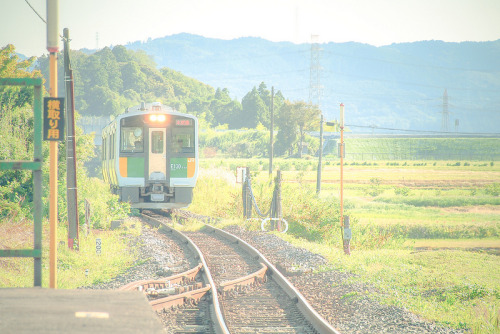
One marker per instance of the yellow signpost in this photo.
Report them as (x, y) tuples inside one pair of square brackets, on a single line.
[(53, 48)]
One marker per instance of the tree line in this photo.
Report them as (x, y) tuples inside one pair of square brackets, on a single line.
[(110, 80), (16, 136)]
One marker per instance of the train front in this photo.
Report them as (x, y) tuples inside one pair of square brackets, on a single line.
[(158, 157)]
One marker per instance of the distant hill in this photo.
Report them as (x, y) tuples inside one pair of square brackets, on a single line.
[(394, 86)]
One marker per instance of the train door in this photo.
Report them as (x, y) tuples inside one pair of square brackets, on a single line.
[(157, 154)]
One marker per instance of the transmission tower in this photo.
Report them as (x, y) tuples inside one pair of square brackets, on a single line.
[(445, 113)]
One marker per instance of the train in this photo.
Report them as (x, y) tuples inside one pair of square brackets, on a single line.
[(150, 156)]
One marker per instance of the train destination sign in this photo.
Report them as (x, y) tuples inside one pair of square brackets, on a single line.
[(53, 118), (183, 122)]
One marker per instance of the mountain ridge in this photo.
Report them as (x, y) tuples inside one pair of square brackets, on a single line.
[(400, 85)]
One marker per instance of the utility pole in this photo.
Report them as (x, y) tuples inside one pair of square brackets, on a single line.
[(318, 179), (344, 221), (445, 112), (315, 97), (53, 48), (71, 184), (271, 144), (341, 151)]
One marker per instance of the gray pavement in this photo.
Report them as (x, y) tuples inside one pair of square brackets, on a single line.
[(36, 310)]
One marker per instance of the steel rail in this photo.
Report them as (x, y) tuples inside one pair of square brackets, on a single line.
[(316, 320), (216, 312), (179, 299), (174, 279), (244, 281)]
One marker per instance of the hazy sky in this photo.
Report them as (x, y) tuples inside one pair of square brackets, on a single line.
[(376, 22)]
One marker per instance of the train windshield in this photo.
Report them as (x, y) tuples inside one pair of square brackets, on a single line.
[(183, 136), (132, 139)]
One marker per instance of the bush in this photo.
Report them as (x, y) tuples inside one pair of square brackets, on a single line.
[(402, 191), (374, 189), (492, 189)]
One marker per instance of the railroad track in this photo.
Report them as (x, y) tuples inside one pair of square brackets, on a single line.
[(234, 289)]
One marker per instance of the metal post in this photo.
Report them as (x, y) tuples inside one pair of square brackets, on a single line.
[(37, 185), (318, 181), (53, 48), (53, 153), (247, 199), (279, 212), (36, 167), (342, 147), (271, 144), (244, 196)]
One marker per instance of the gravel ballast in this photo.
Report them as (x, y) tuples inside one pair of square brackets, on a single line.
[(346, 305)]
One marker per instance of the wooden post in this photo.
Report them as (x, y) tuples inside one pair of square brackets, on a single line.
[(71, 184), (346, 236)]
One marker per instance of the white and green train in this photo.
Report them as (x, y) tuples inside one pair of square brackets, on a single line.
[(150, 156)]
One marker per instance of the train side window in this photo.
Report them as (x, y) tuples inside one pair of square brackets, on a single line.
[(111, 146), (103, 148), (132, 140), (157, 142)]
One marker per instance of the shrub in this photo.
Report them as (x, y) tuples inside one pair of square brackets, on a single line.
[(492, 189), (374, 189), (402, 191)]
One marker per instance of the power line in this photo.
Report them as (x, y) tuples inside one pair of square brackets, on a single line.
[(363, 77), (411, 64), (374, 127), (41, 18)]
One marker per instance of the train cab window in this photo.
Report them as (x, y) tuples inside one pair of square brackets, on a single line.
[(132, 140), (157, 142), (183, 142), (183, 134)]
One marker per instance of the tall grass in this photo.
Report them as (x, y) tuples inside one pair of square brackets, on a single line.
[(118, 253), (453, 287)]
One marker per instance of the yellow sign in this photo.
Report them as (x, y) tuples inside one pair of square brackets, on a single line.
[(53, 118)]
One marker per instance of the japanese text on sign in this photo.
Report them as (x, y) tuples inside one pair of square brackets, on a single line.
[(53, 118)]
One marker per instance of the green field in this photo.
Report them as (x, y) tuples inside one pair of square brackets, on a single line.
[(459, 149), (425, 233)]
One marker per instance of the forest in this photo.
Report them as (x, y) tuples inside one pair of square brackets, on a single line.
[(113, 79)]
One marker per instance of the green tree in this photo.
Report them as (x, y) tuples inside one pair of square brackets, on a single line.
[(16, 132), (287, 124), (93, 73), (265, 95), (121, 53), (254, 110), (225, 110), (11, 66), (108, 61), (104, 102), (307, 117), (133, 78)]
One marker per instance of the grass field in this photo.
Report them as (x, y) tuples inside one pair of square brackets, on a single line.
[(425, 233), (74, 268)]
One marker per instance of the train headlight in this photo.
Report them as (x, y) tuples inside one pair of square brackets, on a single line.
[(160, 118)]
